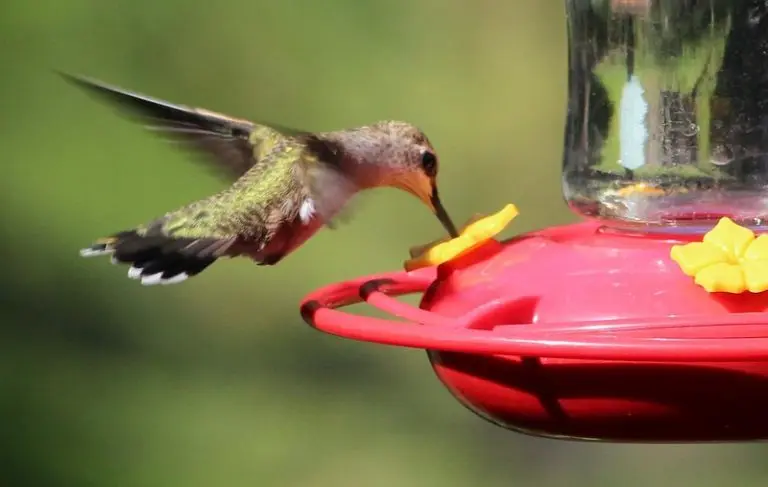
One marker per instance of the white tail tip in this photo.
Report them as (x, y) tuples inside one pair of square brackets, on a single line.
[(155, 279)]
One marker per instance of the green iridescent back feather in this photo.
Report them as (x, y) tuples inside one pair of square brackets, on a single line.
[(266, 194)]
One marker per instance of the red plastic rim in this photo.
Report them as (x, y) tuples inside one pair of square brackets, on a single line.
[(746, 340)]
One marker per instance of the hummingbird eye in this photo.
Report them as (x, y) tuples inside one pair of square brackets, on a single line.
[(429, 163)]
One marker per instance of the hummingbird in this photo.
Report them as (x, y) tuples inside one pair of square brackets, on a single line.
[(284, 185)]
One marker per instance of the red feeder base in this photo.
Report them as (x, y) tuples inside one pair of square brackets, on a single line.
[(575, 332)]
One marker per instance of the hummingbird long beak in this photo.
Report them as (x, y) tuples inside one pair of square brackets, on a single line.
[(425, 189), (441, 214)]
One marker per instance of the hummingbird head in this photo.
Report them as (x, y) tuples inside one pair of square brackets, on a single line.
[(398, 155)]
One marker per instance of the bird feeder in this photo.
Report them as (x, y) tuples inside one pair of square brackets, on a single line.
[(646, 320)]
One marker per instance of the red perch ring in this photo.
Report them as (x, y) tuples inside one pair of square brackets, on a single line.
[(575, 332)]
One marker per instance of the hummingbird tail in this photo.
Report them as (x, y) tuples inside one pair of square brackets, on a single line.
[(155, 259)]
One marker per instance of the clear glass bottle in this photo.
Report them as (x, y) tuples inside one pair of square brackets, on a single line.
[(667, 125)]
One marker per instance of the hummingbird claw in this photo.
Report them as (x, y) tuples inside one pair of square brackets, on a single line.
[(271, 259)]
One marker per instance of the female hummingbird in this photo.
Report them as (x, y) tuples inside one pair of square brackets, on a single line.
[(287, 185)]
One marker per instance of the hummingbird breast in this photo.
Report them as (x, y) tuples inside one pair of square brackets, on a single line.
[(288, 237)]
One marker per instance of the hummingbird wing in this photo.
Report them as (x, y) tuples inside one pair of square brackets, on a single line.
[(228, 142)]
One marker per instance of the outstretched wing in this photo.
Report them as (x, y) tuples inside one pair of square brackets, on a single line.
[(229, 143)]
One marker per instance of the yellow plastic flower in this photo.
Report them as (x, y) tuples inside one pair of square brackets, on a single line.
[(729, 259), (475, 233)]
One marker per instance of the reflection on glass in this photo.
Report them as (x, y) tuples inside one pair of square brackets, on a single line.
[(667, 122)]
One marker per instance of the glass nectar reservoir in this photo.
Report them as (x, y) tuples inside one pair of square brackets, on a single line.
[(667, 125)]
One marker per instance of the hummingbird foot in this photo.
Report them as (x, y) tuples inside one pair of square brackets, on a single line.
[(271, 260)]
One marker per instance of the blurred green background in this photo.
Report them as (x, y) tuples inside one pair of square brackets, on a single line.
[(217, 381)]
